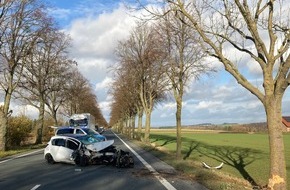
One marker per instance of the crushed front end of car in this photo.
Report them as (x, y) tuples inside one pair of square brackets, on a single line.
[(102, 153)]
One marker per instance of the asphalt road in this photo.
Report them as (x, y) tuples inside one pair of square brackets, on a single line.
[(31, 172)]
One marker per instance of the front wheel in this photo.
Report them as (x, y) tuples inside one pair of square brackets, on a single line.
[(49, 159), (80, 160)]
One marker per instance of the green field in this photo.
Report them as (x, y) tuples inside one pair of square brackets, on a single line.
[(245, 156)]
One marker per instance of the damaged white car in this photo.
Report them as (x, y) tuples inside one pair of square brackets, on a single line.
[(85, 149)]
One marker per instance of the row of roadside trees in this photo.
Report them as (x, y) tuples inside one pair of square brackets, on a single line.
[(168, 52), (35, 68), (159, 57)]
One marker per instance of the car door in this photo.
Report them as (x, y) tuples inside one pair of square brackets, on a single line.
[(57, 149), (65, 148)]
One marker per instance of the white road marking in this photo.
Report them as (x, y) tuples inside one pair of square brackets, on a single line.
[(22, 155), (163, 181), (35, 187), (6, 160)]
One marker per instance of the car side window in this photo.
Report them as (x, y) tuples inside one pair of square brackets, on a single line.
[(65, 131), (72, 145), (78, 131), (58, 142)]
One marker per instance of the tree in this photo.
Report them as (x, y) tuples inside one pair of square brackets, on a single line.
[(18, 130), (260, 33), (184, 61), (22, 23), (126, 97), (80, 97), (41, 72), (143, 54), (76, 84), (59, 86)]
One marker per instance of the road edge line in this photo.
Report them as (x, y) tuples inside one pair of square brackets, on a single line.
[(20, 156), (162, 180)]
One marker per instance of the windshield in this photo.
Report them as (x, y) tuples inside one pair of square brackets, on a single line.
[(79, 122), (64, 131), (87, 139), (90, 131)]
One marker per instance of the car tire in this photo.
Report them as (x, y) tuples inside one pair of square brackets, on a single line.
[(81, 160), (49, 159)]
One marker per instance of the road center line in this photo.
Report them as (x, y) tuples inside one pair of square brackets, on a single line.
[(163, 181)]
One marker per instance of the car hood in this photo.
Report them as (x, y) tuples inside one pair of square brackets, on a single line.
[(98, 146)]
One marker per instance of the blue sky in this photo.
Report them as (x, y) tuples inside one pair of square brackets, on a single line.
[(65, 11), (96, 26)]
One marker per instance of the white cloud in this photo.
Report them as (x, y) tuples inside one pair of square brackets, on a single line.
[(217, 99), (104, 84), (208, 104), (168, 105), (27, 110), (94, 41), (105, 107), (97, 36), (95, 70)]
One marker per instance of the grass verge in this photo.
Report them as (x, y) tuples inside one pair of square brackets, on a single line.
[(245, 157), (192, 170), (18, 150)]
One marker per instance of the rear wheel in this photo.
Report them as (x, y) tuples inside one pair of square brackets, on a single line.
[(49, 159)]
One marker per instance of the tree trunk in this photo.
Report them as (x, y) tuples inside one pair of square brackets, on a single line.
[(4, 119), (147, 127), (3, 131), (178, 127), (277, 178), (121, 126), (139, 132), (55, 118), (40, 123), (125, 126), (132, 127)]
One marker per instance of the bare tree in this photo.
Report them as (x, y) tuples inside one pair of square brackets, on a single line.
[(5, 6), (89, 104), (143, 55), (59, 87), (259, 32), (76, 84), (125, 96), (184, 61), (22, 23), (81, 98), (42, 70)]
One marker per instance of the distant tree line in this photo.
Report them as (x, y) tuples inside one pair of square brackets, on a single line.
[(239, 128)]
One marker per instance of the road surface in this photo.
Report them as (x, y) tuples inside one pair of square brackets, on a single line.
[(31, 172)]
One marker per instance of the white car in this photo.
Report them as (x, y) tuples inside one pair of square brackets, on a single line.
[(79, 130), (77, 149)]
